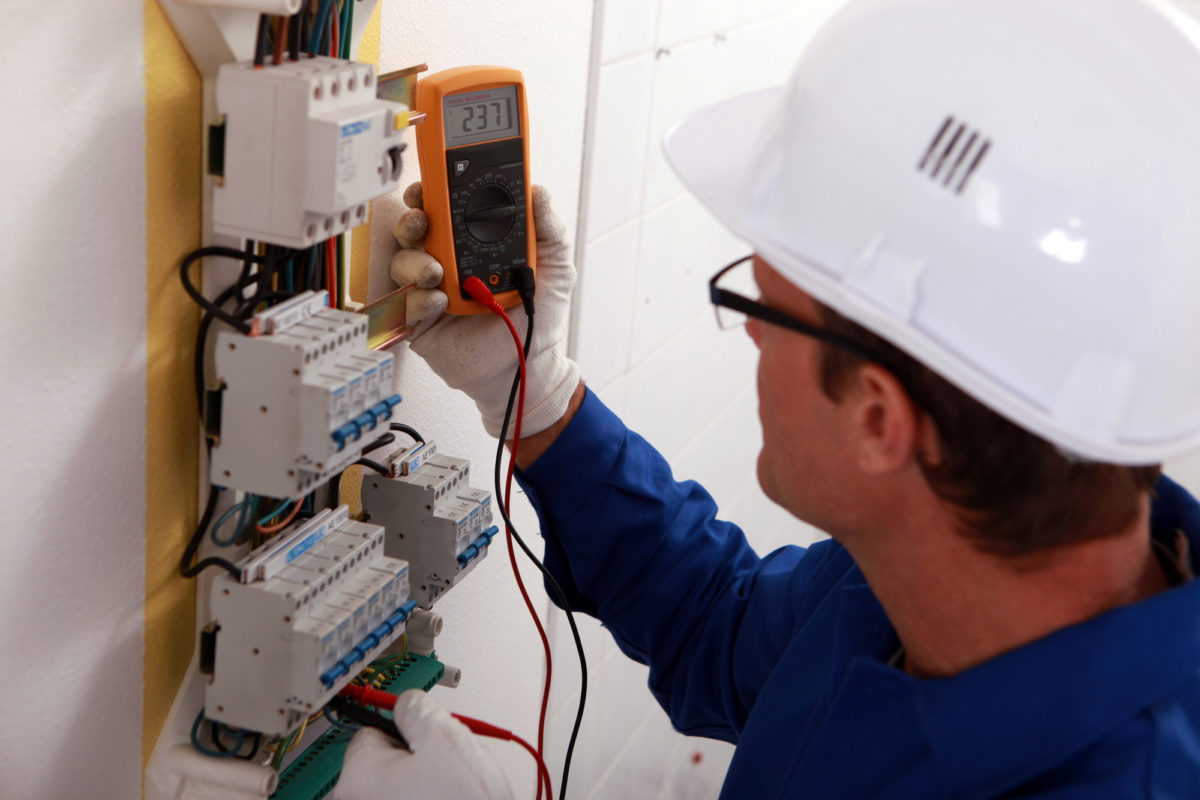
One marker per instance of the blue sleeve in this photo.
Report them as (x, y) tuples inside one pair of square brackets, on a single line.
[(680, 590)]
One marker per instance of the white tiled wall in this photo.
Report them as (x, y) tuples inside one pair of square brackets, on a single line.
[(645, 337)]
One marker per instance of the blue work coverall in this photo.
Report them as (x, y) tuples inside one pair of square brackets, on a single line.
[(786, 655)]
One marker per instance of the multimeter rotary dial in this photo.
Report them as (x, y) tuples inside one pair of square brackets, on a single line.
[(489, 213)]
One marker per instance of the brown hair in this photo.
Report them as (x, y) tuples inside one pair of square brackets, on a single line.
[(1016, 494)]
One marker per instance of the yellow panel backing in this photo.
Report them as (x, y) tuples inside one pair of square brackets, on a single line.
[(173, 154)]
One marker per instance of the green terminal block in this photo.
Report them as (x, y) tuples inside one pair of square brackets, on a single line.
[(313, 774)]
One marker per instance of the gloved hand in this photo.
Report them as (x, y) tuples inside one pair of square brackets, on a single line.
[(476, 353), (445, 761)]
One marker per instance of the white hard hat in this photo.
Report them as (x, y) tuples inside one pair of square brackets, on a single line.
[(1008, 190)]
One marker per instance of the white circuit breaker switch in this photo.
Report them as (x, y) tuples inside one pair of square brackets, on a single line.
[(300, 401), (314, 606), (435, 521), (306, 146)]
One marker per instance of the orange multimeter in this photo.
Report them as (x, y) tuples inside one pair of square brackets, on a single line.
[(474, 152)]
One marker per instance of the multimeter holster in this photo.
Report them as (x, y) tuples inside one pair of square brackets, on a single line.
[(473, 148)]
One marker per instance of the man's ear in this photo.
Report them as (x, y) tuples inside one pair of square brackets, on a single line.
[(887, 424)]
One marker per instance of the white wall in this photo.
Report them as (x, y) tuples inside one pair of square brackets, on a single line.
[(72, 476)]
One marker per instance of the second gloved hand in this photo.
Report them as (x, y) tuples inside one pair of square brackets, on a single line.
[(445, 762), (476, 354)]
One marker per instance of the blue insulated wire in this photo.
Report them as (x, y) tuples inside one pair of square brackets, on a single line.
[(319, 27), (275, 513), (240, 508)]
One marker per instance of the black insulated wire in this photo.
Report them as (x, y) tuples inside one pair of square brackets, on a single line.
[(253, 752), (260, 42), (306, 30), (382, 441), (186, 568), (525, 288), (559, 595), (409, 431), (263, 278), (374, 465), (228, 252), (294, 35)]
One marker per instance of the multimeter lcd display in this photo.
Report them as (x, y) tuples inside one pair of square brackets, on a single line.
[(481, 116)]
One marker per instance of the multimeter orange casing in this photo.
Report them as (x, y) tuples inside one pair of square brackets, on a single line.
[(464, 186)]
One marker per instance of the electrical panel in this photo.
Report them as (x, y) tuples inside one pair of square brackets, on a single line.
[(295, 152), (312, 608), (302, 148), (299, 399), (434, 519)]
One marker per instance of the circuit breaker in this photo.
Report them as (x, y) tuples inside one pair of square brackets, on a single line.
[(312, 608), (302, 148), (298, 399), (434, 519)]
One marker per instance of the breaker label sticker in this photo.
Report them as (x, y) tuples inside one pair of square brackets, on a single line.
[(357, 393), (373, 386), (305, 544), (338, 414), (463, 536), (346, 166)]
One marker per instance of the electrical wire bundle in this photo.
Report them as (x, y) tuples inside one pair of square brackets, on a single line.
[(525, 288), (322, 28), (269, 275)]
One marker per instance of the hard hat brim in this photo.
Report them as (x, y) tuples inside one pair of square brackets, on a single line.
[(713, 149)]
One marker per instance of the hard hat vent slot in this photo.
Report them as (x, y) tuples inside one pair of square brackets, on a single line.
[(956, 151)]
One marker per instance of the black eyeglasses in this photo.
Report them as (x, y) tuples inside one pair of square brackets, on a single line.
[(723, 291)]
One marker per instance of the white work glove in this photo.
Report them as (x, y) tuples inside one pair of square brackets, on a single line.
[(476, 353), (445, 761)]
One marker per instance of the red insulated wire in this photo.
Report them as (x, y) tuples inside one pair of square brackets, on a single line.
[(481, 728), (281, 38), (333, 33), (364, 695), (331, 274), (481, 294)]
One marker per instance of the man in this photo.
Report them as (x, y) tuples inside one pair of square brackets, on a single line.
[(977, 266)]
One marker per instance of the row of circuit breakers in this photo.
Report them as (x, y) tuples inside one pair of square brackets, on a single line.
[(300, 150), (316, 603)]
